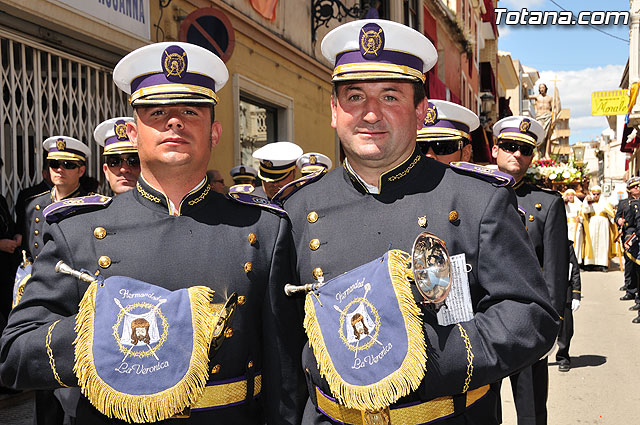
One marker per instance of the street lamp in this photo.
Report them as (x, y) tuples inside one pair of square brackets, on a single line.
[(578, 153), (487, 100)]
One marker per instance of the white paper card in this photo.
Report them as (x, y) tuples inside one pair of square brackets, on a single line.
[(458, 307)]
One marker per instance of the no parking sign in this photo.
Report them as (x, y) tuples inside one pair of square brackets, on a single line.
[(209, 28)]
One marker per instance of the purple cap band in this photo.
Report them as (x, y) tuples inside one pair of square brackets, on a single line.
[(443, 123), (386, 56), (55, 149), (114, 139), (150, 80), (517, 130)]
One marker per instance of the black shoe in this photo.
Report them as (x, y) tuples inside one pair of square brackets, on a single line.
[(564, 368), (636, 320), (604, 269), (623, 288), (635, 307), (627, 297)]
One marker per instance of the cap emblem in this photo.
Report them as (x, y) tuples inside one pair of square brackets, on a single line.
[(312, 159), (243, 170), (174, 62), (120, 129), (267, 163), (432, 114), (371, 41), (61, 144), (525, 125)]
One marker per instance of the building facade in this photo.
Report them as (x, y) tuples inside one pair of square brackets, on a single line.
[(58, 56)]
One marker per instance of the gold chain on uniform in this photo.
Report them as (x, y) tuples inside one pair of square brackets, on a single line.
[(146, 194), (52, 361), (467, 344), (406, 171), (201, 197)]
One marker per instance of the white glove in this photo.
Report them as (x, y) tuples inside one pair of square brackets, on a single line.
[(575, 305)]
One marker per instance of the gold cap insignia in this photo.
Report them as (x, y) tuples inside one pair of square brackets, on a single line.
[(120, 129), (267, 163), (313, 159), (61, 144), (432, 115), (174, 62), (525, 125), (371, 41)]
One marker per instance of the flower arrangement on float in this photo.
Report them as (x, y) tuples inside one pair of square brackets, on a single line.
[(547, 171)]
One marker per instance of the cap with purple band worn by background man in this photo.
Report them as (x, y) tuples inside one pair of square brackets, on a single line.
[(112, 135), (519, 128), (446, 120), (66, 148)]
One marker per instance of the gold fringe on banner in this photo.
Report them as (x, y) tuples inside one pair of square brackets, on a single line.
[(150, 407), (20, 291), (401, 382)]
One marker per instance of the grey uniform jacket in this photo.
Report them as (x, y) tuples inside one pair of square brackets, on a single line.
[(546, 223), (31, 222), (514, 322), (207, 244)]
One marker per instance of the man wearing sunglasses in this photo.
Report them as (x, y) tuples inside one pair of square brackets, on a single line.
[(121, 163), (65, 160), (446, 132), (546, 223)]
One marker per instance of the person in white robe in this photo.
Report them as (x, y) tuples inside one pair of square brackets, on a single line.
[(597, 215), (573, 209)]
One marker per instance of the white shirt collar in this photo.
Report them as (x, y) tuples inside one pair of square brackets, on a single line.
[(374, 190)]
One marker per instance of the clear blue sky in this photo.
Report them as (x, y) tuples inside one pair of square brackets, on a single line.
[(583, 58)]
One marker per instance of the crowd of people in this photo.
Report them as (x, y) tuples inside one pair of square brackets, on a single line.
[(289, 297)]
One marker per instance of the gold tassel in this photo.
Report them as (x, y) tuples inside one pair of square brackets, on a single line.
[(153, 407), (401, 382)]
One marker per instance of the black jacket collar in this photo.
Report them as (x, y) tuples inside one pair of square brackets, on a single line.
[(157, 200), (394, 178)]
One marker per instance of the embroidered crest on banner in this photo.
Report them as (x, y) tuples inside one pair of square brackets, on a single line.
[(366, 333), (142, 352)]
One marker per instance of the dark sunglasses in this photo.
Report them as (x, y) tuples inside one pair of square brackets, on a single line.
[(442, 147), (116, 161), (526, 150), (67, 165)]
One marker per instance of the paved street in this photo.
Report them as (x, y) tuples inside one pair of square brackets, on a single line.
[(601, 388)]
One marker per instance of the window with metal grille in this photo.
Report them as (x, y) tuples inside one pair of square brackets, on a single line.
[(46, 93)]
